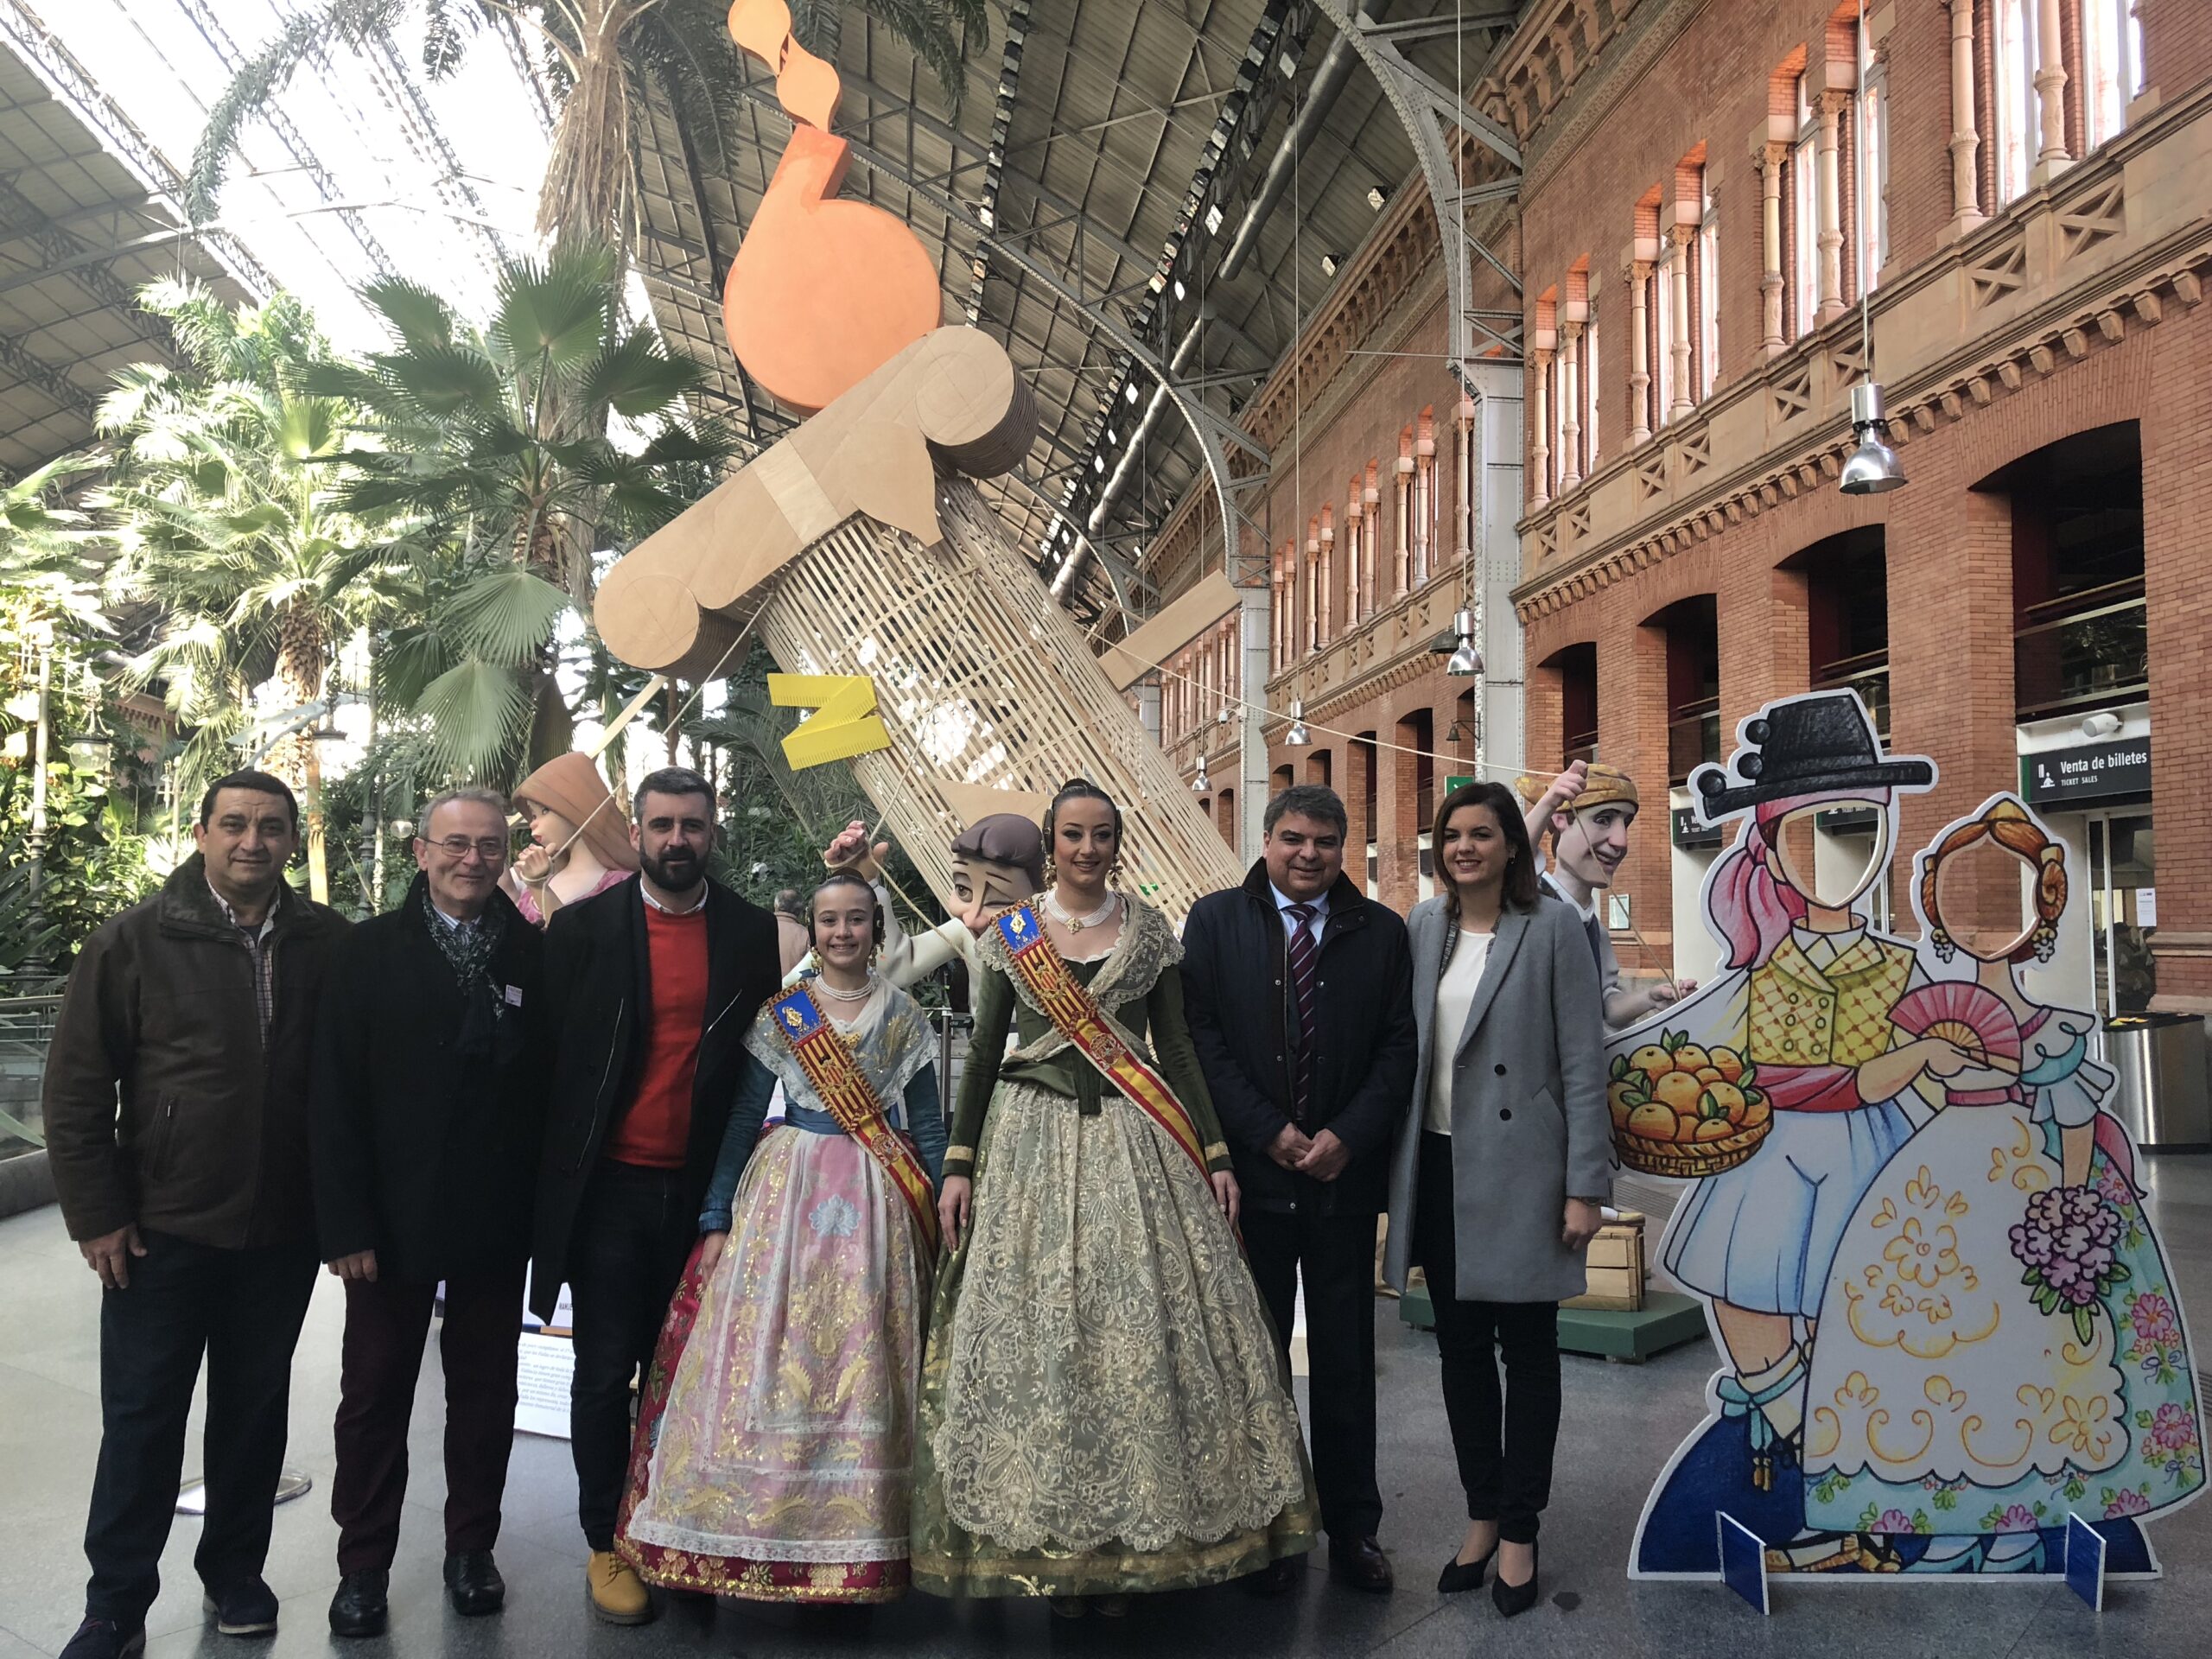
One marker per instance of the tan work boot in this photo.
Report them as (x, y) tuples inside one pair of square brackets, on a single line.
[(618, 1594)]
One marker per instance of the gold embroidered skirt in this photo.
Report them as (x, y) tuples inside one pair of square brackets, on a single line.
[(1102, 1408)]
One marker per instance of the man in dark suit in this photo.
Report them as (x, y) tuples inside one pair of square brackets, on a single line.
[(1299, 988), (654, 983), (429, 1093)]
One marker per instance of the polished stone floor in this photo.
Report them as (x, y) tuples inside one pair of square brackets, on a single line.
[(1621, 1422)]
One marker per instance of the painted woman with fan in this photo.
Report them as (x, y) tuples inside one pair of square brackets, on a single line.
[(2000, 1343)]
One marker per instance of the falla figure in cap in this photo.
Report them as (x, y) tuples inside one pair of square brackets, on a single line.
[(1785, 1086), (1587, 811)]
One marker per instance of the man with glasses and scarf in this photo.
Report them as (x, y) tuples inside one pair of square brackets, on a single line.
[(428, 1098)]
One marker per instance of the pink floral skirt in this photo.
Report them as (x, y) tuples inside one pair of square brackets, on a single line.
[(774, 1450)]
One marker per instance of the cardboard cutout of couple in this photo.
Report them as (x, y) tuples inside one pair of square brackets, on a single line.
[(1944, 1318)]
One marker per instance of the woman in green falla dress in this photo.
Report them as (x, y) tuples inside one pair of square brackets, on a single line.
[(1102, 1410)]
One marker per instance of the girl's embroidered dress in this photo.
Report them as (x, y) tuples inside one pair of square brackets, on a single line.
[(774, 1453), (1103, 1406)]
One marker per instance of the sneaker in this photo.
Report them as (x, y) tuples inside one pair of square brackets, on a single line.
[(247, 1608), (361, 1607), (102, 1638), (618, 1594)]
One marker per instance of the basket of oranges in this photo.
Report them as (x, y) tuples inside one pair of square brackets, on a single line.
[(1686, 1111)]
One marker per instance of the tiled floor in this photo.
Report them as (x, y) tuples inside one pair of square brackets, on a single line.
[(1621, 1423)]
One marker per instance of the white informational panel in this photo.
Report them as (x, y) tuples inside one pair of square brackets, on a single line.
[(541, 1373)]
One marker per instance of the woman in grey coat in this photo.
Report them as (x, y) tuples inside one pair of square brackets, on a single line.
[(1500, 1164)]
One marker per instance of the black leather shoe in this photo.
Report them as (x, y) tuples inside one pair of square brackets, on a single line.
[(358, 1608), (1514, 1599), (246, 1608), (474, 1584), (1278, 1578), (1361, 1565), (102, 1638), (1458, 1575)]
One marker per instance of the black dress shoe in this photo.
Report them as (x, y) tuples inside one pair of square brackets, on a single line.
[(1459, 1575), (104, 1638), (1361, 1565), (1514, 1599), (474, 1584), (1278, 1578), (358, 1608)]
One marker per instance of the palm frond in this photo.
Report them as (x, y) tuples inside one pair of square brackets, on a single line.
[(447, 27), (443, 379), (476, 711), (506, 617), (416, 314), (555, 311), (265, 74), (636, 376), (307, 428)]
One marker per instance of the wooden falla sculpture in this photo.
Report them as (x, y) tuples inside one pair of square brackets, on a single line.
[(861, 541)]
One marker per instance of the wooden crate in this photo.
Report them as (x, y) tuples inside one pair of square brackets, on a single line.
[(1616, 1267)]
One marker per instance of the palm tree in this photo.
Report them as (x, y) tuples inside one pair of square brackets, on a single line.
[(499, 444), (604, 58), (225, 511)]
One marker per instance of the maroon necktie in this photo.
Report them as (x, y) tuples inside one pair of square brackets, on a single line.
[(1303, 952)]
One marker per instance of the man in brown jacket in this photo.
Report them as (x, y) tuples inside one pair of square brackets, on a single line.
[(175, 1103)]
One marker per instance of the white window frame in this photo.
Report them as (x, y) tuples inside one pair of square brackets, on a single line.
[(1706, 299), (1804, 276), (1588, 388), (1872, 231), (1662, 318), (2112, 66), (2014, 97)]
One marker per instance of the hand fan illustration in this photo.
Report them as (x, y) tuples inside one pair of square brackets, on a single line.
[(1963, 1013)]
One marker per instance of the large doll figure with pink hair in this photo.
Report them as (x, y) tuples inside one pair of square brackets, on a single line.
[(1783, 1088)]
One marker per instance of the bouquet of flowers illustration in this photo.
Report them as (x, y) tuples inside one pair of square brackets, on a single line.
[(2068, 1240)]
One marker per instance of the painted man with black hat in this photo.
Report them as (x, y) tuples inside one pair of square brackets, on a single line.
[(1804, 1000)]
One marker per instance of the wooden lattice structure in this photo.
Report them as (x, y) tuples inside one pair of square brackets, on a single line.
[(981, 678)]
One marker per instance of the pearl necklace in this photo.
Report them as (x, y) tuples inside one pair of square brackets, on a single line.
[(1075, 924), (867, 990)]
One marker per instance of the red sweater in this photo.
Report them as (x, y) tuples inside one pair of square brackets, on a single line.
[(655, 1131)]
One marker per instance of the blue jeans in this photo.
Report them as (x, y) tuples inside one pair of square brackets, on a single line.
[(242, 1309)]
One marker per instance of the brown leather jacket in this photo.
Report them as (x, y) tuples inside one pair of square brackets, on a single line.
[(160, 1020)]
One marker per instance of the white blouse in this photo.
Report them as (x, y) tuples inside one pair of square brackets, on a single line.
[(1455, 994)]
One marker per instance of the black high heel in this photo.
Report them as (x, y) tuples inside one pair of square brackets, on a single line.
[(1458, 1575), (1514, 1599)]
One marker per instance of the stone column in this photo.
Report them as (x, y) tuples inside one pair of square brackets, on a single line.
[(1312, 585), (1965, 142), (1832, 105), (1639, 352), (1463, 475), (1678, 347), (2051, 89), (1424, 499), (1405, 516), (1328, 600), (1370, 505), (1539, 444), (1769, 156), (1570, 406)]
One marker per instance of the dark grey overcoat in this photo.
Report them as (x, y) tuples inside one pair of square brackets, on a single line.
[(1528, 1121)]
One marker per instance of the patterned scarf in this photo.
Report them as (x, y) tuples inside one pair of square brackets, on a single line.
[(468, 952)]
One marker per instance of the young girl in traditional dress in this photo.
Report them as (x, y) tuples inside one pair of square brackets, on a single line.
[(775, 1443), (2000, 1345), (1102, 1408)]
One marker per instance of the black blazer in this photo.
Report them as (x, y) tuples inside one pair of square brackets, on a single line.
[(424, 1117), (599, 986), (1237, 993)]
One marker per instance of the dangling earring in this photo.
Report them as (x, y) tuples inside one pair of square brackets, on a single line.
[(1052, 873), (1114, 871)]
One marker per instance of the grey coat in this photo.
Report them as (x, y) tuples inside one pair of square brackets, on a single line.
[(1529, 1127)]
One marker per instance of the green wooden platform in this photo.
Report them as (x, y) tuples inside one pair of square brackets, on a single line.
[(1667, 1319)]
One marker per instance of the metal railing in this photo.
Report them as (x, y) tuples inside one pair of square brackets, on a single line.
[(26, 1029), (2081, 649)]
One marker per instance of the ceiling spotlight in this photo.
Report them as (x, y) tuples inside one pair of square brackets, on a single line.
[(1213, 219), (1099, 463), (1180, 290), (1129, 392), (2103, 723), (1377, 195), (1466, 661), (1199, 785), (1223, 718), (1298, 736), (1331, 263), (1873, 467)]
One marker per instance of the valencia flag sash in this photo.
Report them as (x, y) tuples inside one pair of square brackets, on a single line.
[(1075, 1014), (836, 1080)]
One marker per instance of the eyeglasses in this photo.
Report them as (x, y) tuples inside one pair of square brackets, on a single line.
[(492, 849)]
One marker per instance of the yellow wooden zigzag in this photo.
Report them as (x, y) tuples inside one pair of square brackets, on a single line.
[(844, 723)]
